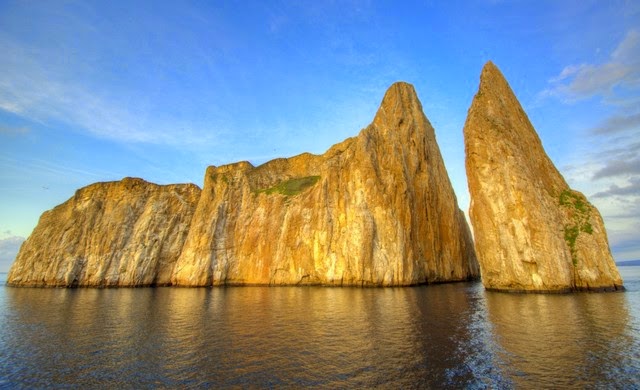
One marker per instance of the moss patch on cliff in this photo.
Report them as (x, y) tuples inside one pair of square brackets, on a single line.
[(223, 177), (571, 233), (290, 187), (572, 199), (580, 213)]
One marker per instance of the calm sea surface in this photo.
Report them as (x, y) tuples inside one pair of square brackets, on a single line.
[(454, 335)]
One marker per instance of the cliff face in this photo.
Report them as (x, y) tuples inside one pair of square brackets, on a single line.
[(532, 232), (126, 233), (377, 210)]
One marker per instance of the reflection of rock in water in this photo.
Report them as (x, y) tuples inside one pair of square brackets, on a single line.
[(442, 329), (562, 341), (454, 336)]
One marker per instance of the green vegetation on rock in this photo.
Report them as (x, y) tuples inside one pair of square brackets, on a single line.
[(571, 234), (215, 176), (570, 198), (290, 187), (580, 211)]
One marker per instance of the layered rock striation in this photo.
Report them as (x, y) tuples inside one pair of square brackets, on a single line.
[(532, 232), (375, 210), (125, 233)]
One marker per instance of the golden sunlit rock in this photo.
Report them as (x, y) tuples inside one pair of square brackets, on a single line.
[(532, 232), (375, 210), (125, 233)]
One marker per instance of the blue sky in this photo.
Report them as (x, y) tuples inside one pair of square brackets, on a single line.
[(96, 91)]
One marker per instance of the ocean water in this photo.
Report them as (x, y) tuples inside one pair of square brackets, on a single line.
[(452, 335)]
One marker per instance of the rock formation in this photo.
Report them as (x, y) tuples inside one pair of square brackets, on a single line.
[(126, 233), (374, 210), (532, 232)]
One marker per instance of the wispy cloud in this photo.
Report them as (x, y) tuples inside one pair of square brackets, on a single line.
[(9, 248), (622, 71), (614, 168), (610, 165), (29, 167), (633, 189), (28, 90), (618, 123), (73, 83), (616, 82)]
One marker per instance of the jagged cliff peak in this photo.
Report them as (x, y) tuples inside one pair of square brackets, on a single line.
[(400, 101), (496, 111), (532, 232), (489, 70), (493, 84), (400, 91)]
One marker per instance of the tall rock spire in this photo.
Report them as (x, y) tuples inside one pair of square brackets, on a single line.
[(532, 232)]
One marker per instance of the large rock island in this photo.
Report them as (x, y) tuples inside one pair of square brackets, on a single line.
[(375, 210), (532, 232)]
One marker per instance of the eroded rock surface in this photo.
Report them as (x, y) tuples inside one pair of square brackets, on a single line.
[(125, 233), (532, 232), (375, 210)]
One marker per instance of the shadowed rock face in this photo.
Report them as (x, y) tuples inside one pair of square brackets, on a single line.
[(375, 210), (532, 232), (126, 233)]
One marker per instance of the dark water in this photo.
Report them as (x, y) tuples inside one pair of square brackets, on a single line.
[(454, 335)]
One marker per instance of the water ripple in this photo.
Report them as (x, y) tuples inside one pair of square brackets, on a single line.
[(436, 336)]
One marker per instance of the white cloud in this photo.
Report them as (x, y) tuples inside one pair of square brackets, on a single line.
[(28, 90), (615, 167), (609, 164), (65, 82), (9, 248), (627, 50), (622, 71), (588, 80), (633, 189), (618, 123), (625, 243)]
